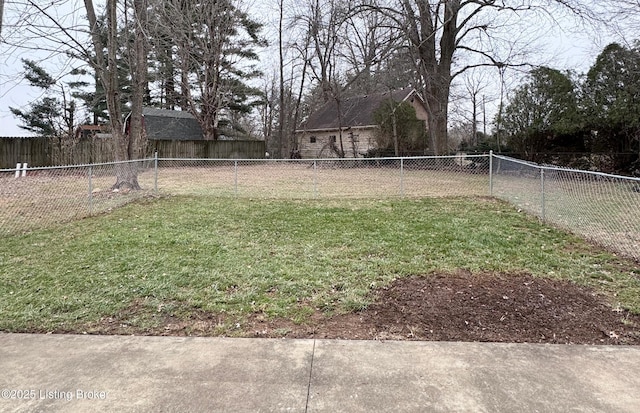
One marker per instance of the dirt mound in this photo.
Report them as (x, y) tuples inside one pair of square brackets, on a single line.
[(474, 307)]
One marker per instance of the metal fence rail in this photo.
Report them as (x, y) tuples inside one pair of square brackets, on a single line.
[(603, 208), (327, 178)]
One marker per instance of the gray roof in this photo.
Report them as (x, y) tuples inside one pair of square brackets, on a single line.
[(171, 124), (356, 112)]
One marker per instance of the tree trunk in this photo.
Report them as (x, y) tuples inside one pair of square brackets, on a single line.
[(396, 146), (438, 104), (434, 68), (281, 111), (133, 141), (1, 13), (126, 172), (106, 70)]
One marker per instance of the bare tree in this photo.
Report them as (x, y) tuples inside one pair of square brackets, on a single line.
[(468, 100), (625, 19), (136, 140), (128, 145), (345, 46), (282, 100), (1, 14), (56, 27), (449, 37), (369, 40), (348, 43), (212, 45), (323, 21)]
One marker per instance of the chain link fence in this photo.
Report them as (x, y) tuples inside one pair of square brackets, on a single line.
[(603, 208), (327, 178), (33, 198)]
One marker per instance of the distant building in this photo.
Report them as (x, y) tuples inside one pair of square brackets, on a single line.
[(90, 131), (159, 124), (353, 119), (165, 124)]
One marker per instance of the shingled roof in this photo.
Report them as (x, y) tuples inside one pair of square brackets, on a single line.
[(356, 112), (171, 124)]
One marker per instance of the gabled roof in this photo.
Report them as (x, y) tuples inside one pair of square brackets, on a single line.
[(356, 112), (171, 124)]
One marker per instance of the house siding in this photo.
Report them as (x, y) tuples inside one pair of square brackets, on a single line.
[(363, 141), (421, 111), (321, 127)]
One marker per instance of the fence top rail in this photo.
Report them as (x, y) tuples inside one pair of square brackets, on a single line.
[(325, 159), (518, 161), (459, 156), (561, 169), (44, 168)]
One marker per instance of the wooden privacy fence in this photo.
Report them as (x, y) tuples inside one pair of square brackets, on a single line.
[(34, 151), (38, 151), (208, 149)]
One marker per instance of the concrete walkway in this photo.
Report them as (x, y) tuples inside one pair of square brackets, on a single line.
[(65, 373)]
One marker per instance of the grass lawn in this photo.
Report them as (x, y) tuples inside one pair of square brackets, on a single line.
[(237, 257)]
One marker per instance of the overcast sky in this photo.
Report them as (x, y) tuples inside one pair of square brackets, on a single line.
[(563, 51)]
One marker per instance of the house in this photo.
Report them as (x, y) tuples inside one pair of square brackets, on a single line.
[(349, 124), (165, 124), (159, 124), (177, 134), (90, 131)]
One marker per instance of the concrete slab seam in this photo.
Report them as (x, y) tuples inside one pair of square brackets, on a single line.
[(313, 354)]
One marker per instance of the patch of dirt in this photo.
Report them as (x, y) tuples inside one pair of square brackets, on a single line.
[(467, 307), (441, 307)]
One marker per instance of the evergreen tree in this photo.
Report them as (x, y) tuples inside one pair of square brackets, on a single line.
[(55, 114), (401, 132), (611, 100), (207, 49), (543, 115)]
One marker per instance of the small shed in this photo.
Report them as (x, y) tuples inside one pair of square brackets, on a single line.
[(165, 124)]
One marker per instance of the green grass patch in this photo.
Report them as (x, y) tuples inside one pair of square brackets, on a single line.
[(182, 256)]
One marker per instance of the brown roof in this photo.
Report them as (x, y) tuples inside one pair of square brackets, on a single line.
[(357, 111)]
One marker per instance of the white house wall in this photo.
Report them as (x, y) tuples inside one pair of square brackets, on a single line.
[(363, 141), (366, 140)]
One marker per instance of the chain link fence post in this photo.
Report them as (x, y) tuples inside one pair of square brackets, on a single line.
[(402, 177), (90, 191), (315, 179), (542, 195), (235, 177), (490, 173), (155, 173)]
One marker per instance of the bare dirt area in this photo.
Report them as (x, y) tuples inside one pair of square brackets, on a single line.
[(443, 307), (496, 308), (301, 180)]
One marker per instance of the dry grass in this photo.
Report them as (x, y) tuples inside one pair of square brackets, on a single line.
[(50, 197), (302, 181), (47, 198), (606, 211)]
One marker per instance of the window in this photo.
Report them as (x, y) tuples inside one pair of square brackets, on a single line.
[(312, 139), (332, 139)]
